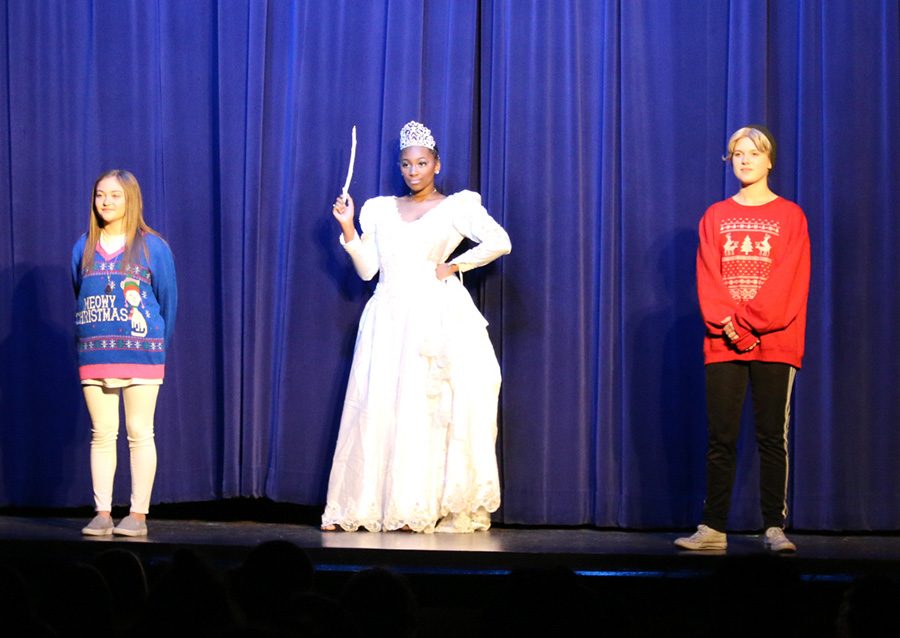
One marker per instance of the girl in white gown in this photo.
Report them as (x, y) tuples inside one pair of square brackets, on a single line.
[(415, 450)]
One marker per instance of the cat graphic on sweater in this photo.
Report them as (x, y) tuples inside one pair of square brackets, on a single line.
[(132, 289)]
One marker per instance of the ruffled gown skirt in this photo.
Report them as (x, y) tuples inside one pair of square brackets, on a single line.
[(416, 446)]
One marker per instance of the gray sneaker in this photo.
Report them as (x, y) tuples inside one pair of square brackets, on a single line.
[(705, 538), (130, 526), (99, 526), (776, 541)]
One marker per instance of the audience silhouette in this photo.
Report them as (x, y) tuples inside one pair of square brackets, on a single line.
[(274, 592)]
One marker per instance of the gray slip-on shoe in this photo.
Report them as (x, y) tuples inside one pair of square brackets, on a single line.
[(99, 526), (130, 526)]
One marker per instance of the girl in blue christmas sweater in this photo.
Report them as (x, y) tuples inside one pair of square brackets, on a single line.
[(124, 278)]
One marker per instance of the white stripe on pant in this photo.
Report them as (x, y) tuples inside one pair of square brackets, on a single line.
[(103, 407), (771, 385)]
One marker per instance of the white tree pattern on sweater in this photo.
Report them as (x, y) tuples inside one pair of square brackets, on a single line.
[(746, 272)]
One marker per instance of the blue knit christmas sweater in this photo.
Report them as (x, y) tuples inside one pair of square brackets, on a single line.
[(125, 312)]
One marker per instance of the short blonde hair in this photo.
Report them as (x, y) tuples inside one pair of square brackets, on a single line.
[(762, 140)]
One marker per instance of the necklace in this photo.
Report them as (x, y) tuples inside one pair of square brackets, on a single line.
[(433, 191), (114, 243), (110, 286)]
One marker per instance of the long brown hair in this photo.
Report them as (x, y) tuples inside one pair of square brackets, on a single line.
[(135, 226)]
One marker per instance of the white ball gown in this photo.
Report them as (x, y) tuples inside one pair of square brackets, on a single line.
[(416, 446)]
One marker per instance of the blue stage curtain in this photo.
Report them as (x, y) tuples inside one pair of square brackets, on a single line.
[(594, 131)]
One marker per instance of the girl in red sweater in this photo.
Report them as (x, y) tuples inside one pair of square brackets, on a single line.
[(753, 283)]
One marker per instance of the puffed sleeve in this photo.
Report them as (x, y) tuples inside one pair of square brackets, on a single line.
[(472, 220), (362, 249)]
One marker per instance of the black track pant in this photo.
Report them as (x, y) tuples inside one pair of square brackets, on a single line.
[(770, 389)]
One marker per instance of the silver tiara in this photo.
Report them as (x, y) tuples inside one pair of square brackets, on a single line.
[(416, 134)]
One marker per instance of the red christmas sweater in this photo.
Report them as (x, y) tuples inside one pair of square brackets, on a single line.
[(753, 266)]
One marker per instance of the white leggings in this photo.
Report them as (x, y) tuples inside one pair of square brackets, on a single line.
[(103, 406)]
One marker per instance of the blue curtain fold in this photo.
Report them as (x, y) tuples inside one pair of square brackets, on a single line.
[(593, 130)]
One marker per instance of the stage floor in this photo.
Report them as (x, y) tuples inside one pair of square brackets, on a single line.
[(589, 552)]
